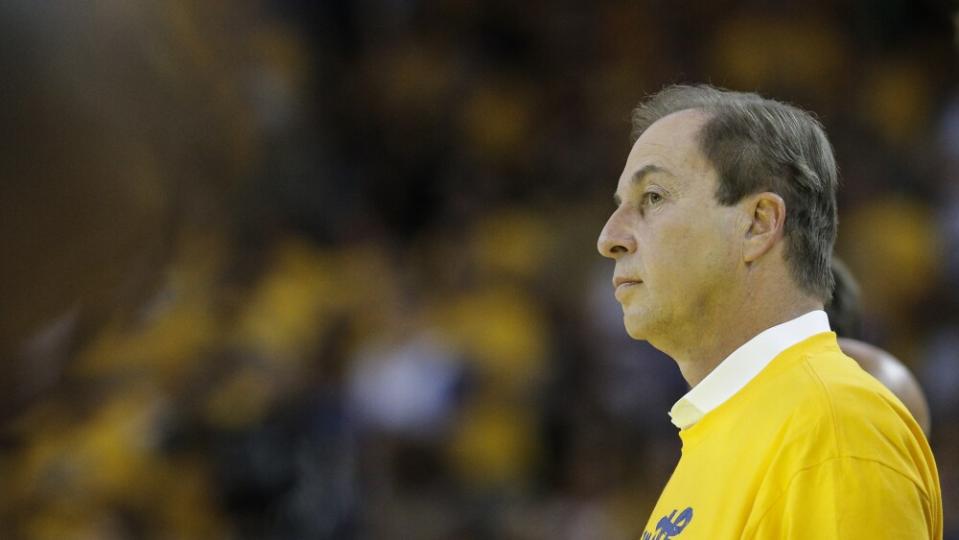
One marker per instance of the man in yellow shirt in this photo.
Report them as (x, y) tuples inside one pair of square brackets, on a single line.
[(722, 234)]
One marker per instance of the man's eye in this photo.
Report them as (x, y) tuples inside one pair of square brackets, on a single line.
[(651, 197)]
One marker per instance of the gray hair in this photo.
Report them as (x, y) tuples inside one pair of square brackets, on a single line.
[(758, 144)]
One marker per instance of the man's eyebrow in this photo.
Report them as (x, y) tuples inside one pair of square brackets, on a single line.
[(640, 176)]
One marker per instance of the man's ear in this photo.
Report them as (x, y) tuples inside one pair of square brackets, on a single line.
[(767, 215)]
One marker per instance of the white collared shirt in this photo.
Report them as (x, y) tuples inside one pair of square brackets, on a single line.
[(742, 365)]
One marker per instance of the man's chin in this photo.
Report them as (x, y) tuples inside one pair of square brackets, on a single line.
[(636, 327)]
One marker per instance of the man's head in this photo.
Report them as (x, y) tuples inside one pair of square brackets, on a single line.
[(721, 190)]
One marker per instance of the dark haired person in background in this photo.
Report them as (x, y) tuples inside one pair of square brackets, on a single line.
[(125, 134), (722, 234), (845, 316), (116, 139)]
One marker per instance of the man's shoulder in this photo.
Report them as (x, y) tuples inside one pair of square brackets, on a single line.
[(809, 378), (846, 390), (815, 387), (842, 411), (821, 378), (845, 419)]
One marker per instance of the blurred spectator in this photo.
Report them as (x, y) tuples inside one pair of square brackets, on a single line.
[(325, 269)]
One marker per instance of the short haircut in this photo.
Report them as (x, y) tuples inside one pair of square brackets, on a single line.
[(758, 144)]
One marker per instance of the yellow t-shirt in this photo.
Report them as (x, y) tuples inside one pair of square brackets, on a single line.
[(811, 448)]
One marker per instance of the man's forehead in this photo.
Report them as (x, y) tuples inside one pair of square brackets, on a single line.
[(670, 143), (679, 129), (637, 176)]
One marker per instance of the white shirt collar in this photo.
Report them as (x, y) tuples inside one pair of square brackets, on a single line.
[(742, 365)]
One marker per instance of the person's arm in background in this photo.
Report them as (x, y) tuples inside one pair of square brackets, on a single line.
[(845, 316)]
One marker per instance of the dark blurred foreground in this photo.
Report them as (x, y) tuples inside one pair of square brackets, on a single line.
[(327, 270)]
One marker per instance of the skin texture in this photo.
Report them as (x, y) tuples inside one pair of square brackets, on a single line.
[(695, 278), (895, 376)]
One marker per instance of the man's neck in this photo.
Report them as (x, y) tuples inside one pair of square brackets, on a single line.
[(698, 357)]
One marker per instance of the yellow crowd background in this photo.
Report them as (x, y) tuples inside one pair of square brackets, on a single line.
[(374, 308)]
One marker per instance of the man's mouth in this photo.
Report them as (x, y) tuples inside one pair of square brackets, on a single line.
[(621, 281)]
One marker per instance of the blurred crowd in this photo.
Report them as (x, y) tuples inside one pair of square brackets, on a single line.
[(376, 310)]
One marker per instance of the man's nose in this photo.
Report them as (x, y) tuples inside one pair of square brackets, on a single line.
[(615, 239)]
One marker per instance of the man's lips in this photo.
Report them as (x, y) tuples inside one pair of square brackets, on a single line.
[(619, 281)]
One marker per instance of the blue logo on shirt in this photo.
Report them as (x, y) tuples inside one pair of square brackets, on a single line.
[(671, 525)]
